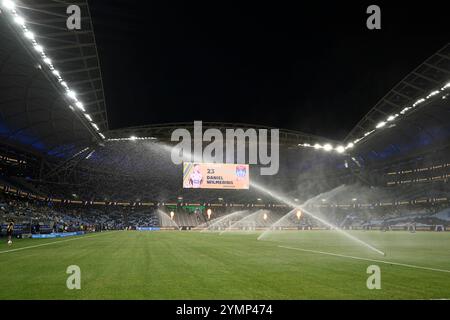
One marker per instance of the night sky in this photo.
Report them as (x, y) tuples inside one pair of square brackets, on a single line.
[(312, 66)]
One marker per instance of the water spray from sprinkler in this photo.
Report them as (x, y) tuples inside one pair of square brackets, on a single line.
[(303, 210)]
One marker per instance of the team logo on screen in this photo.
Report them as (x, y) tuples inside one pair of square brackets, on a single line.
[(241, 171)]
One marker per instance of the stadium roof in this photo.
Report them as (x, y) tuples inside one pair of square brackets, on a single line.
[(41, 61), (429, 77), (162, 132), (37, 113), (411, 119)]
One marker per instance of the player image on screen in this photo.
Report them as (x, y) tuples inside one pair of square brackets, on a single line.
[(215, 176), (196, 178)]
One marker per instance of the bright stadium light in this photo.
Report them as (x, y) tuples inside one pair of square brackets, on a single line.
[(19, 20), (133, 138), (392, 118), (8, 4), (56, 73), (71, 94), (80, 106), (350, 145), (29, 35), (317, 146), (88, 117), (328, 147), (39, 48), (95, 126), (417, 102), (48, 61), (433, 94), (381, 125), (340, 149), (102, 135)]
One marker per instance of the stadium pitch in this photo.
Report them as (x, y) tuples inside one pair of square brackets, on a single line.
[(235, 265)]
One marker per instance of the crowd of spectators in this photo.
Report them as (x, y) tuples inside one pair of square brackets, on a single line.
[(45, 217)]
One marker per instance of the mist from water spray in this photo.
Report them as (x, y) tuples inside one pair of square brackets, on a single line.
[(250, 221), (165, 220), (284, 221), (224, 222), (314, 216)]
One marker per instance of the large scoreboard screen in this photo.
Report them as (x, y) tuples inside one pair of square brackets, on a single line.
[(216, 175)]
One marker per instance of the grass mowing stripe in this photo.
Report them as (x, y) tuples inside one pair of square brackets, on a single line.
[(54, 242), (367, 259)]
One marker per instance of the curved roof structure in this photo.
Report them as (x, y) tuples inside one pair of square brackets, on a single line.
[(424, 131), (162, 132), (36, 112), (427, 78)]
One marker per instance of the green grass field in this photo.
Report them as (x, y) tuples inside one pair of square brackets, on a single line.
[(195, 265)]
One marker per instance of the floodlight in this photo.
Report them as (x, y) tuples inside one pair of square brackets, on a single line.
[(39, 48), (381, 124), (19, 20), (8, 4), (80, 106), (29, 35), (71, 94), (340, 149)]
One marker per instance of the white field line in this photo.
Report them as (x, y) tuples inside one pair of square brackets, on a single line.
[(366, 259), (54, 242)]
